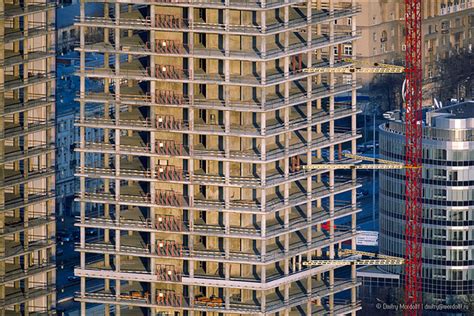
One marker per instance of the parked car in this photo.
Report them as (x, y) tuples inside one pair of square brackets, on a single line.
[(73, 278), (92, 232), (76, 235), (361, 194)]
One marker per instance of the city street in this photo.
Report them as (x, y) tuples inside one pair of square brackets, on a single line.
[(66, 261)]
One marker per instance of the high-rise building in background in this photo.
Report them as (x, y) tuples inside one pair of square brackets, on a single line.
[(27, 225), (67, 32), (66, 12), (207, 121), (448, 28), (448, 155), (67, 107), (66, 184), (67, 136), (67, 159)]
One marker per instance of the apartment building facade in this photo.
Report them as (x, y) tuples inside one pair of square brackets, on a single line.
[(448, 154), (67, 33), (67, 161), (67, 136), (27, 221), (66, 184), (208, 120), (448, 28)]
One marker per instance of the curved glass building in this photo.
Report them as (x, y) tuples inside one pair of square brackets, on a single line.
[(448, 201)]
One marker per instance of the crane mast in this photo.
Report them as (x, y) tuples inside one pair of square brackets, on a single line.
[(413, 149), (413, 157)]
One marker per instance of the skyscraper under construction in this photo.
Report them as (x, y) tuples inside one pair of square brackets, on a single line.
[(207, 121), (27, 222)]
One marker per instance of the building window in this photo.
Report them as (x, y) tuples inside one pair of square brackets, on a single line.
[(203, 90), (202, 39), (349, 21), (439, 214), (457, 215), (203, 165), (458, 235), (203, 190), (439, 234), (445, 26), (202, 64), (439, 254), (439, 174), (202, 14), (203, 140), (202, 114), (439, 274), (453, 176), (439, 194), (440, 154), (347, 49), (456, 275)]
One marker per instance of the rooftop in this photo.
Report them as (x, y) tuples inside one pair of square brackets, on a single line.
[(454, 123), (457, 116), (460, 111)]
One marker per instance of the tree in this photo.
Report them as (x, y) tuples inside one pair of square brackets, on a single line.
[(386, 90), (467, 302), (455, 76)]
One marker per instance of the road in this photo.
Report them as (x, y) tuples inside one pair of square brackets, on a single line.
[(65, 268), (364, 218), (65, 264)]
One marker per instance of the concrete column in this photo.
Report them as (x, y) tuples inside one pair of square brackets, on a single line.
[(354, 172), (82, 180), (263, 48)]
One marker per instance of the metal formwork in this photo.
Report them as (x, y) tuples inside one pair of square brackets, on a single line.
[(208, 120)]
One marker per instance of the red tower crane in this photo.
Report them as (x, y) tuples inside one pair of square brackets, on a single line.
[(413, 151), (413, 157)]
